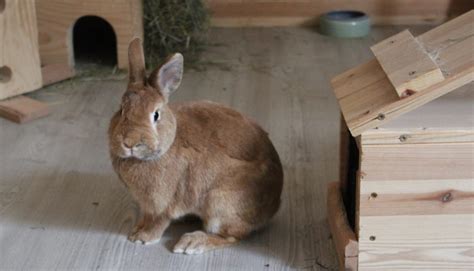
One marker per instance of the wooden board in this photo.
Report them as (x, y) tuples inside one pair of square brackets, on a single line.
[(412, 162), (368, 99), (20, 70), (238, 13), (416, 242), (21, 109), (56, 20), (423, 197), (407, 64), (343, 236), (448, 119)]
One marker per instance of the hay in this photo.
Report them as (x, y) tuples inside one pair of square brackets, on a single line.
[(174, 26)]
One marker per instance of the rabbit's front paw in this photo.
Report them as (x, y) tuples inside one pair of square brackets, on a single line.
[(198, 242), (144, 237), (148, 230)]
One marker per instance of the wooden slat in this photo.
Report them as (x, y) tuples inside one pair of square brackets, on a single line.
[(368, 99), (419, 136), (406, 63), (19, 55), (412, 162), (428, 242), (448, 119), (417, 197), (343, 236), (22, 109)]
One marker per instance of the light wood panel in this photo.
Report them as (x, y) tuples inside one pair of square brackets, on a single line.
[(368, 99), (56, 18), (236, 13), (417, 162), (20, 70), (447, 119), (424, 242), (422, 197), (406, 64)]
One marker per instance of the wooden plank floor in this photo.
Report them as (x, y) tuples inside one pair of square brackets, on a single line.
[(62, 206)]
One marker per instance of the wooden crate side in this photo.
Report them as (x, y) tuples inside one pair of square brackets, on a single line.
[(416, 206), (417, 242), (19, 55)]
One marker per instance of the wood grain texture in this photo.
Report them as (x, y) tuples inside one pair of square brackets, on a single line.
[(416, 206), (21, 109), (415, 162), (342, 234), (407, 64), (19, 49), (368, 99), (422, 242), (448, 119), (56, 19), (237, 13), (423, 197)]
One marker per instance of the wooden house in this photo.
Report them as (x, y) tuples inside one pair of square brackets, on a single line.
[(405, 199)]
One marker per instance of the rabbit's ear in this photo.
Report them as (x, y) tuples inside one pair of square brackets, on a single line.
[(136, 60), (168, 77)]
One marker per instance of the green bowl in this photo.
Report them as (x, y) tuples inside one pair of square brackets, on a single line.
[(344, 24)]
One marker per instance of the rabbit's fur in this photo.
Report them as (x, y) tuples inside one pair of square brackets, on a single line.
[(198, 158)]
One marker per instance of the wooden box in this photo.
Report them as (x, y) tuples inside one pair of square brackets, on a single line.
[(20, 70), (407, 157)]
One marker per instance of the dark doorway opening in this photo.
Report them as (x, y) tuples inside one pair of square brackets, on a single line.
[(94, 42)]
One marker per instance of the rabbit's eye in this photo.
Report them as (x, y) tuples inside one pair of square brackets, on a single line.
[(156, 116)]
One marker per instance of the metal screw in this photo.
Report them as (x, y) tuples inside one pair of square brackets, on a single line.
[(381, 116), (403, 138), (373, 195), (372, 238)]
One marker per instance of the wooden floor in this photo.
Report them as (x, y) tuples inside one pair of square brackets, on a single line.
[(62, 206)]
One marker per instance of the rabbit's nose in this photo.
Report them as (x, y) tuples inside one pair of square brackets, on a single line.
[(128, 144)]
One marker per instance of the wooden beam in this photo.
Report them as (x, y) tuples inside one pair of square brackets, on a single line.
[(343, 236), (21, 109), (407, 64)]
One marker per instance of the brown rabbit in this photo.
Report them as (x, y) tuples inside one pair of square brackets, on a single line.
[(198, 158)]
